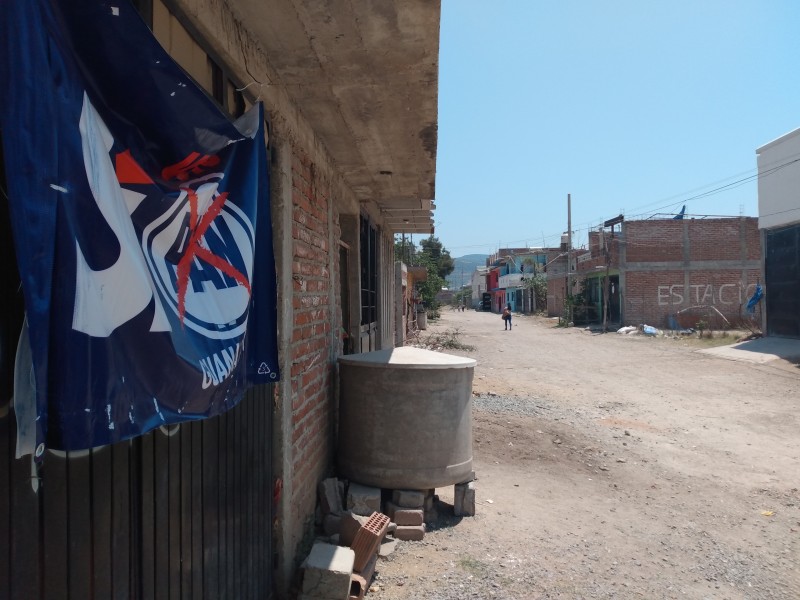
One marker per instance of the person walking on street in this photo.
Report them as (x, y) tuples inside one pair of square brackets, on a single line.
[(507, 316)]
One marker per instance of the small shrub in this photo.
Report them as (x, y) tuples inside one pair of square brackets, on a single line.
[(701, 326), (447, 340)]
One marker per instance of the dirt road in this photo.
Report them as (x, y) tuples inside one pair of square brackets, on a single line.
[(615, 467)]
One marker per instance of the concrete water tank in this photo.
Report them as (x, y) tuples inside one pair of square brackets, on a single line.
[(405, 418)]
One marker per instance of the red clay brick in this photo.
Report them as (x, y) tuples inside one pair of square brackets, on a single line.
[(411, 533), (404, 516), (368, 539)]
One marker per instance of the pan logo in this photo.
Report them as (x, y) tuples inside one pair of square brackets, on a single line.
[(194, 259), (200, 254)]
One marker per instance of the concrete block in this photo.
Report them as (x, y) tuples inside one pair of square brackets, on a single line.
[(368, 539), (349, 526), (429, 500), (331, 524), (363, 499), (330, 499), (408, 498), (326, 572), (410, 533), (464, 499), (404, 516)]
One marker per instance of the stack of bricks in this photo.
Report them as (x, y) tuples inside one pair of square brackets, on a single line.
[(407, 511), (352, 521), (360, 528)]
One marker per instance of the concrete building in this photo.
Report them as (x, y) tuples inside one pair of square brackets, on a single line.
[(557, 280), (479, 286), (350, 94), (779, 222), (514, 266), (408, 300), (496, 294)]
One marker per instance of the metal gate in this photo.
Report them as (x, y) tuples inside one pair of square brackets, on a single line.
[(782, 272), (178, 513)]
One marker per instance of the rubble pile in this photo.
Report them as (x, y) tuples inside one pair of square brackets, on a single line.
[(361, 524)]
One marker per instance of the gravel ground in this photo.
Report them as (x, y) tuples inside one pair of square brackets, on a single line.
[(611, 467)]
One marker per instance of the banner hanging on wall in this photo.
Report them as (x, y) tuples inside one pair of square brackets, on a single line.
[(141, 221)]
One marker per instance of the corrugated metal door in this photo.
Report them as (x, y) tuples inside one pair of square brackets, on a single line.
[(178, 513), (782, 272)]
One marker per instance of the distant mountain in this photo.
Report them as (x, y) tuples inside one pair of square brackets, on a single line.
[(465, 265)]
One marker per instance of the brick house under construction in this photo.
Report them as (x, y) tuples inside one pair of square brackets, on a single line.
[(664, 272)]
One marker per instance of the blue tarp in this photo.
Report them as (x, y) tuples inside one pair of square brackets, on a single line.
[(755, 299), (141, 224)]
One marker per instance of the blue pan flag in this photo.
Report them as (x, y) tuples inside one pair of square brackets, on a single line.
[(755, 299), (141, 225)]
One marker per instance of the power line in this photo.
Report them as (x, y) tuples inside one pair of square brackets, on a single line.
[(586, 227)]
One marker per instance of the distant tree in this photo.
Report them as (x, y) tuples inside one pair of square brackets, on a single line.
[(434, 257), (538, 283), (429, 288), (439, 257)]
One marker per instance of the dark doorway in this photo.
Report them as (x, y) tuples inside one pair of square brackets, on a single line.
[(782, 272), (369, 286), (344, 298)]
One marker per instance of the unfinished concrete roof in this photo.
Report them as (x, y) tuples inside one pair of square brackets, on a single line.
[(364, 73)]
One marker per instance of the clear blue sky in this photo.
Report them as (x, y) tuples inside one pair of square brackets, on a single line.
[(631, 106)]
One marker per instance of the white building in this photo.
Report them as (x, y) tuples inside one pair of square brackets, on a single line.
[(478, 285), (779, 222)]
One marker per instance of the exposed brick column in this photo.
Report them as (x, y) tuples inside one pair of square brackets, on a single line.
[(310, 347)]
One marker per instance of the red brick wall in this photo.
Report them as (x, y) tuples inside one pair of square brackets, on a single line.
[(594, 243), (641, 300), (714, 240), (555, 296), (654, 241), (311, 374), (716, 271)]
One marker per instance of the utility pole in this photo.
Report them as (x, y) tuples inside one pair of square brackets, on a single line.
[(569, 258)]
